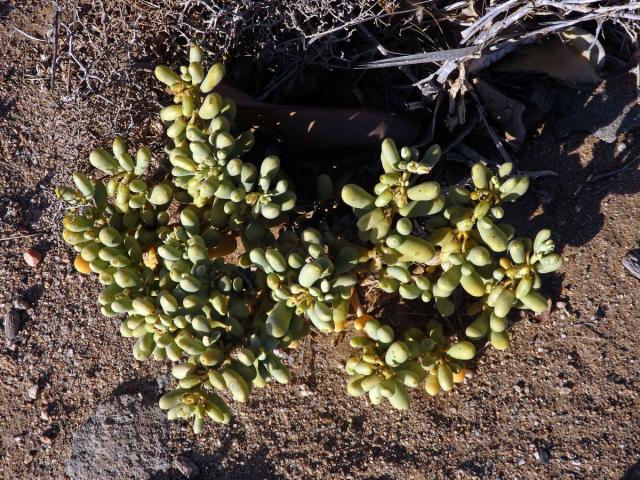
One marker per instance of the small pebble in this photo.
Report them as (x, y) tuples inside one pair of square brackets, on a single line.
[(304, 391), (33, 391), (11, 325), (186, 466), (521, 461), (620, 147), (164, 381), (20, 304), (44, 414), (32, 257), (542, 456)]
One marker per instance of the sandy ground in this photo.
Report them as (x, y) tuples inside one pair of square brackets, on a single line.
[(563, 402)]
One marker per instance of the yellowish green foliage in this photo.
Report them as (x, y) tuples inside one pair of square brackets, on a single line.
[(161, 253)]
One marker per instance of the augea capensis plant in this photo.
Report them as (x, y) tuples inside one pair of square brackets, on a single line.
[(207, 271)]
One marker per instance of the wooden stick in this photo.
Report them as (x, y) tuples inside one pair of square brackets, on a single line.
[(54, 55)]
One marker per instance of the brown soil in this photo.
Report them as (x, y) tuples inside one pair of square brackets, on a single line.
[(563, 402)]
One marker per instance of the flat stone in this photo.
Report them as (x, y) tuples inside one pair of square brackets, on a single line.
[(126, 438), (11, 325), (33, 391)]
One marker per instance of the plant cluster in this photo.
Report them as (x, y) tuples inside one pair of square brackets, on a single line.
[(206, 269)]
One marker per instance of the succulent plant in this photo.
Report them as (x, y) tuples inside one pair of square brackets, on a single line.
[(304, 281), (206, 269), (386, 366)]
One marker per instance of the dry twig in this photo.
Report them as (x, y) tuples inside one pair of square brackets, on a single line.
[(54, 53), (22, 32)]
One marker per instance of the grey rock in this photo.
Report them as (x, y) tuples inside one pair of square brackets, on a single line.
[(186, 467), (543, 456), (564, 390), (33, 391), (11, 325), (631, 262), (126, 438)]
